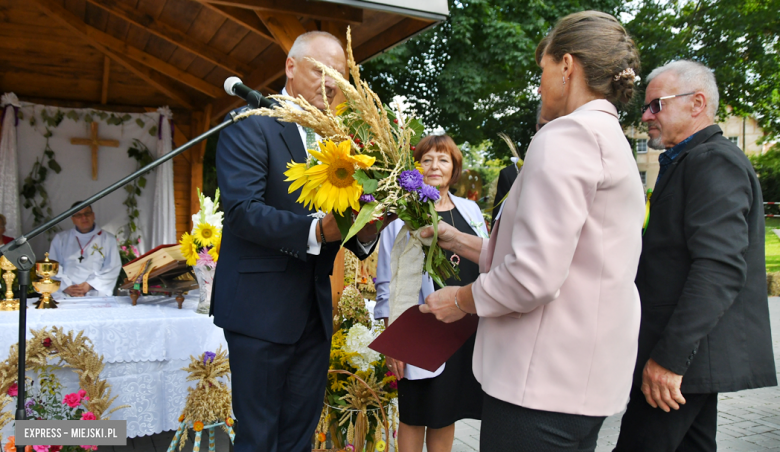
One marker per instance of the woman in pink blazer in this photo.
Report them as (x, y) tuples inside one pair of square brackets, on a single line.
[(559, 312)]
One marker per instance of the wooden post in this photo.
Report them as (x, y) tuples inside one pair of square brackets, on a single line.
[(337, 278), (200, 124)]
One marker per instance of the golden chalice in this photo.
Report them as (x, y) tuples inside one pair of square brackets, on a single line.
[(46, 269), (9, 303)]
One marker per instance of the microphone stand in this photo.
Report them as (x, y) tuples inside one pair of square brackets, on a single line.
[(22, 256)]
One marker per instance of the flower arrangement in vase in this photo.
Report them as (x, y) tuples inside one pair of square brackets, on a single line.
[(201, 247)]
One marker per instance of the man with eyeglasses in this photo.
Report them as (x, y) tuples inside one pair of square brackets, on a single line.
[(701, 276), (88, 256)]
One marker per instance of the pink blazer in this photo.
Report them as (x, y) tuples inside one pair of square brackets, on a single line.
[(559, 312)]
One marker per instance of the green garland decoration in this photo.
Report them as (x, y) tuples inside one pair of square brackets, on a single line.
[(33, 191)]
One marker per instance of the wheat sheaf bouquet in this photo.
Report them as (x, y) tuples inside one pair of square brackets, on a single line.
[(364, 169)]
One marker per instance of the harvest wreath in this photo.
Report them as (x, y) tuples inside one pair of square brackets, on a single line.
[(76, 352)]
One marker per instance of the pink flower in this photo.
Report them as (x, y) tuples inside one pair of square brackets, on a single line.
[(83, 394), (135, 250), (89, 447), (124, 248), (139, 241), (72, 400), (88, 416), (41, 448), (13, 391), (205, 259)]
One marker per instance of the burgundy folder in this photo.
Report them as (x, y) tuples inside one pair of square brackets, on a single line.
[(421, 340)]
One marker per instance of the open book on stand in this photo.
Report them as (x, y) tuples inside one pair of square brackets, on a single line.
[(163, 270)]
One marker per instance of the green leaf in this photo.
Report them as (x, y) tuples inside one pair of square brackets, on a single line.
[(19, 114), (135, 213), (73, 115), (343, 222), (48, 153), (88, 119), (153, 131), (362, 219), (140, 123), (48, 133), (126, 117), (55, 166), (138, 192), (103, 115), (418, 129), (142, 182), (129, 188), (32, 121)]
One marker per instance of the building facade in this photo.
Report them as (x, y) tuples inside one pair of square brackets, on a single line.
[(744, 132)]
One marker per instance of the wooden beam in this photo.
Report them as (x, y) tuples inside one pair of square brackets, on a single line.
[(397, 34), (304, 8), (172, 35), (243, 17), (284, 27), (106, 71), (260, 78), (337, 29), (109, 44)]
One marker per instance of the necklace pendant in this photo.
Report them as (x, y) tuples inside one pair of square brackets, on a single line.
[(81, 258)]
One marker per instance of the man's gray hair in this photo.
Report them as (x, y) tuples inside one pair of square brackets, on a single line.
[(301, 44), (693, 76)]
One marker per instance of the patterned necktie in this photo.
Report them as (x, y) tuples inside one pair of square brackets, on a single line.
[(311, 139)]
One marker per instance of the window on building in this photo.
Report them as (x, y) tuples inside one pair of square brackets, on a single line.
[(643, 176), (641, 146), (734, 140)]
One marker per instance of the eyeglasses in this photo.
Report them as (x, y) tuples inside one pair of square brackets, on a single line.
[(79, 216), (655, 104)]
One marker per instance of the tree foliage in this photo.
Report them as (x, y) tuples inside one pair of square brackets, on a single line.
[(738, 39), (475, 74)]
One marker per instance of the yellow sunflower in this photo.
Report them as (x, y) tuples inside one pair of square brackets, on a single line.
[(214, 251), (329, 185), (189, 249), (341, 108), (205, 234)]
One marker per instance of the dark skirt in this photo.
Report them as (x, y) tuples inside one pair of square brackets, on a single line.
[(453, 395)]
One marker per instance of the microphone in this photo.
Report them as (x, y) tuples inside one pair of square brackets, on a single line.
[(235, 87)]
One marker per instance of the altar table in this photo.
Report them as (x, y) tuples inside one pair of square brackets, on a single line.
[(144, 348)]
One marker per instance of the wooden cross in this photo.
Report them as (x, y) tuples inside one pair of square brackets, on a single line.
[(94, 143)]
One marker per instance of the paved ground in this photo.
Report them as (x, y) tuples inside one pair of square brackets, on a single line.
[(747, 420)]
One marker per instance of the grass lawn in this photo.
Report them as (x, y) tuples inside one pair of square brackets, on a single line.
[(772, 245)]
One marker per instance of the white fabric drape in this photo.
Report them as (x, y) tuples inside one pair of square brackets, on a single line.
[(9, 169), (164, 213)]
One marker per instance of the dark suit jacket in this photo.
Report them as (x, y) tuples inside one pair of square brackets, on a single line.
[(266, 283), (506, 177), (702, 275)]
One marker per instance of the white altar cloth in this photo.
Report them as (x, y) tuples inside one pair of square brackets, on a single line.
[(144, 348)]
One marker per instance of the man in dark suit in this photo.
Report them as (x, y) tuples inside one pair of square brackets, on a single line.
[(507, 176), (701, 276), (272, 293)]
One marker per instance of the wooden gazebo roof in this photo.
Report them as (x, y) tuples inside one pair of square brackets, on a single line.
[(142, 53)]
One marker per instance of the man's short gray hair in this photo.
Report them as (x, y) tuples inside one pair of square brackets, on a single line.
[(301, 44), (693, 76)]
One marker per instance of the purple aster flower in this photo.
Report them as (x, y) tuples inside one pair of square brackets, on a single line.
[(208, 357), (429, 193), (367, 198), (28, 406), (410, 180)]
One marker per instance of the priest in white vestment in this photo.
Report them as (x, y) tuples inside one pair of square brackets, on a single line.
[(88, 256)]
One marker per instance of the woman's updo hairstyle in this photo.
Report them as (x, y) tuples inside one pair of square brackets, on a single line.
[(602, 46)]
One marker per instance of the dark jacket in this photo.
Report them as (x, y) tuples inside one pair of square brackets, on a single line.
[(506, 177), (702, 275), (266, 284)]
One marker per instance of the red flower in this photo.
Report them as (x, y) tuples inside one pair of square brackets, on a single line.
[(47, 342), (13, 391), (72, 400), (88, 416), (55, 448)]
